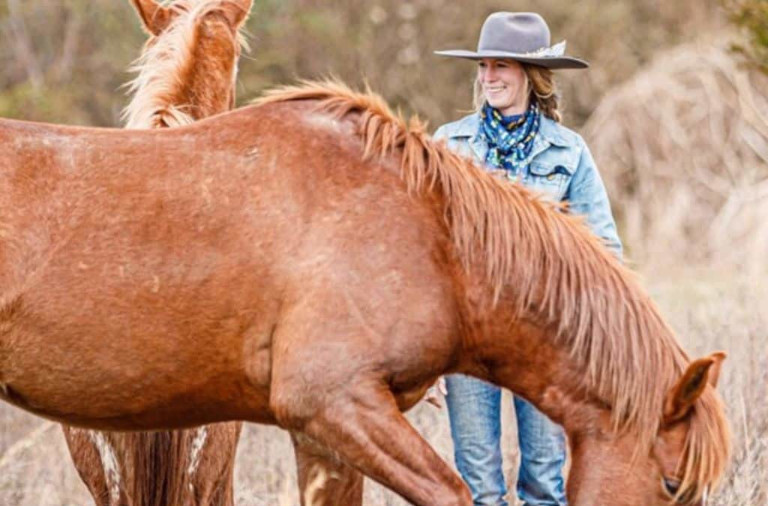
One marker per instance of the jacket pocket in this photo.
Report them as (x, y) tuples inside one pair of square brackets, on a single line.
[(551, 181)]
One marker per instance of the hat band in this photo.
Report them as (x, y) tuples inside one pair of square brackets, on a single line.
[(555, 51)]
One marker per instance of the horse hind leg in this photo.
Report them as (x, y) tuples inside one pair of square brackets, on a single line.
[(323, 479), (211, 463), (95, 461)]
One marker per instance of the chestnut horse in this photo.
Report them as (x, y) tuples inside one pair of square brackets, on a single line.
[(315, 262), (187, 71)]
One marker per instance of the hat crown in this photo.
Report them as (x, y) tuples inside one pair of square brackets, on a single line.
[(519, 36), (514, 32)]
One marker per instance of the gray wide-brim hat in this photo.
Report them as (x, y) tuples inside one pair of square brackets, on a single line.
[(519, 36)]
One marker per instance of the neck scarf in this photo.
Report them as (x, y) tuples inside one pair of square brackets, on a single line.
[(509, 138)]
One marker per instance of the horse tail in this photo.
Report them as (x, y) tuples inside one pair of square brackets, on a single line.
[(160, 467), (185, 467)]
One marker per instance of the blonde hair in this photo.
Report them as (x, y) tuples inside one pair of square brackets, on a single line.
[(541, 86)]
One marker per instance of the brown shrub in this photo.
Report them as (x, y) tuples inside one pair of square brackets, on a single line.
[(683, 147)]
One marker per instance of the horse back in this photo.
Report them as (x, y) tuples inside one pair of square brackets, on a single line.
[(149, 254)]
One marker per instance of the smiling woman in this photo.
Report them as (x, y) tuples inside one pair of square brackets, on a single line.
[(516, 129)]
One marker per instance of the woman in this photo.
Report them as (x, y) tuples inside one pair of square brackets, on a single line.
[(517, 130)]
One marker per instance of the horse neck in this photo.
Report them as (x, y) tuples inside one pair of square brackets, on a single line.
[(526, 359), (590, 339), (177, 86), (208, 87)]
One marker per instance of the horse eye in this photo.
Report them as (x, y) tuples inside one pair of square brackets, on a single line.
[(671, 487)]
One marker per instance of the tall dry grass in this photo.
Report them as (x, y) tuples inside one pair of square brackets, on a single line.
[(683, 148)]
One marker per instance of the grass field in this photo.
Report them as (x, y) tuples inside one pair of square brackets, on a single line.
[(709, 311)]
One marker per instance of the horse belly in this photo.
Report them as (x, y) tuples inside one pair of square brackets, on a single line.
[(136, 358)]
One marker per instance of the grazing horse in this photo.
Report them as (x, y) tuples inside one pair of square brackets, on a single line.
[(186, 72), (316, 262)]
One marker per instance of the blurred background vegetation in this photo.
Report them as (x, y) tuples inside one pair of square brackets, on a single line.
[(752, 17), (64, 61)]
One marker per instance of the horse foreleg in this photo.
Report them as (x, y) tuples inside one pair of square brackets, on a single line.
[(323, 479), (368, 432)]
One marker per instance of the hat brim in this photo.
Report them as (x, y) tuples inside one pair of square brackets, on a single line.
[(550, 62)]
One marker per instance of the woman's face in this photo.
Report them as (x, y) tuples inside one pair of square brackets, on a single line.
[(504, 85)]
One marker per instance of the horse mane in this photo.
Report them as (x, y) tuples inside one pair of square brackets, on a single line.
[(561, 272), (161, 67)]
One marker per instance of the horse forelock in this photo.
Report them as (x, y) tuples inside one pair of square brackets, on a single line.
[(161, 68), (707, 448), (560, 270)]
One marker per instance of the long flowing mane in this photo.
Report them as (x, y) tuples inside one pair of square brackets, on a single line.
[(161, 69), (605, 319)]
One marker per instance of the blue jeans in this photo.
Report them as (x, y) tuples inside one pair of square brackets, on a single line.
[(474, 408)]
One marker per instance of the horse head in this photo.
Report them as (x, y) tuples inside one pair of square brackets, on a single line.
[(686, 457), (188, 68)]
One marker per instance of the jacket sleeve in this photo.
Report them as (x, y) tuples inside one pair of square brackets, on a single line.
[(587, 197)]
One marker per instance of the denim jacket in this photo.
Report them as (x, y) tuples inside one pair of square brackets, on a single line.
[(561, 168)]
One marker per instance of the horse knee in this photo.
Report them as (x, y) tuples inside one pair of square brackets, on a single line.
[(458, 496), (291, 412)]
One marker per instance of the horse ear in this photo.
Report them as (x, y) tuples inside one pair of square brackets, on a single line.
[(154, 16), (681, 397), (714, 371), (236, 11)]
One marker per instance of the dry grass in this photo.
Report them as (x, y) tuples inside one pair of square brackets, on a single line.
[(727, 311), (683, 148), (710, 310)]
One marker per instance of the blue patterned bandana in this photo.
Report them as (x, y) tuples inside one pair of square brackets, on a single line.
[(509, 138)]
